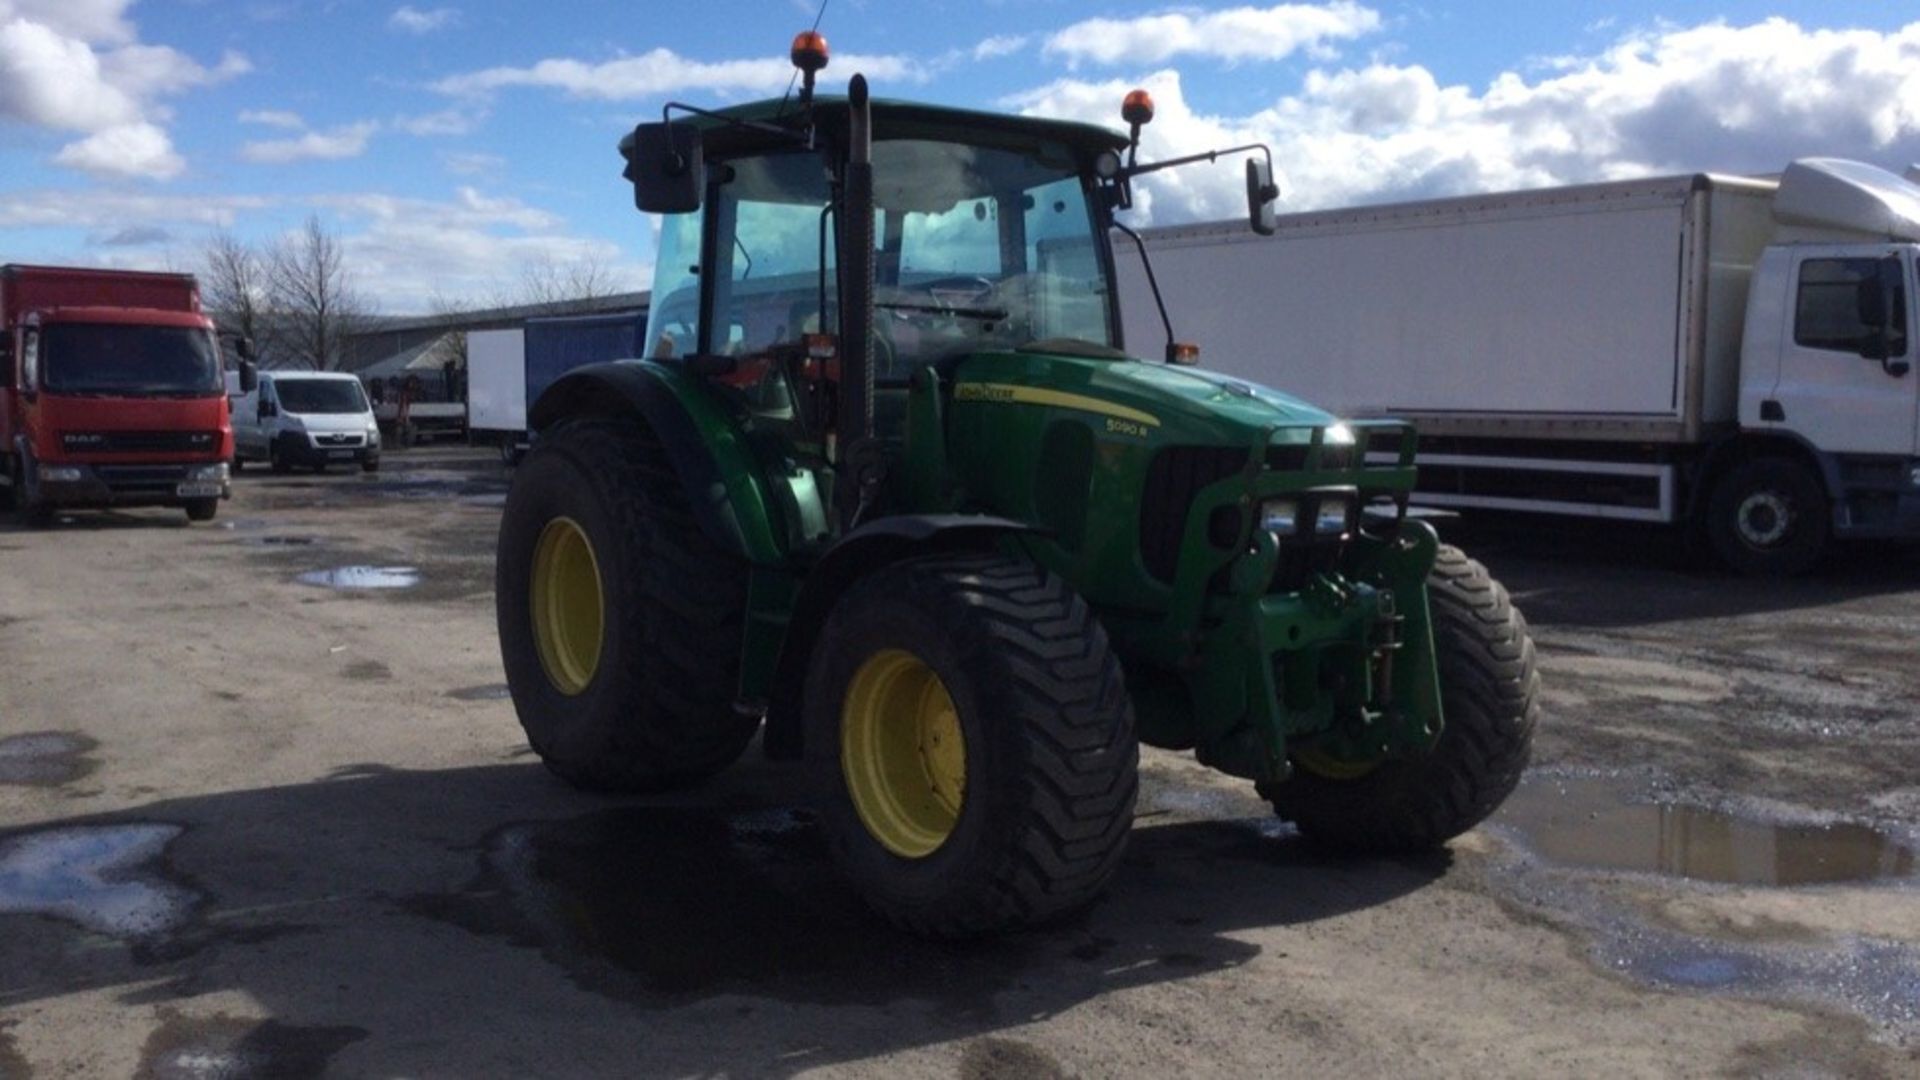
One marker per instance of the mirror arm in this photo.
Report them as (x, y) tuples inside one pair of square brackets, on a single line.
[(1153, 283), (1132, 171)]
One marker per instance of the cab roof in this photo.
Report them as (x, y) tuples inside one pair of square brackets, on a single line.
[(893, 119)]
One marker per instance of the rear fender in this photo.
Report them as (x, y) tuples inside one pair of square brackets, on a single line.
[(859, 553), (730, 498)]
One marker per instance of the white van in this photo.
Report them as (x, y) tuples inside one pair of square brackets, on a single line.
[(311, 418)]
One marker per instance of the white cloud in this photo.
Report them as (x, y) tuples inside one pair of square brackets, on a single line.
[(342, 142), (101, 22), (412, 20), (1236, 34), (999, 45), (74, 66), (444, 122), (467, 163), (114, 209), (279, 118), (129, 150), (662, 71), (53, 81), (1712, 97)]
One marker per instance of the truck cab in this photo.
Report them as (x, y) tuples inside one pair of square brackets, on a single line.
[(113, 395)]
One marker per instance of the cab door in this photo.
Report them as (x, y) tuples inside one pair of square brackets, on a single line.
[(1847, 379)]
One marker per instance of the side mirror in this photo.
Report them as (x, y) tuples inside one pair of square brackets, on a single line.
[(667, 167), (1261, 194), (243, 347), (249, 373)]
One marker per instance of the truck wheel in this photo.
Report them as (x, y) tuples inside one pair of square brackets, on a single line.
[(972, 739), (276, 460), (202, 509), (620, 624), (370, 466), (1768, 518), (1488, 691)]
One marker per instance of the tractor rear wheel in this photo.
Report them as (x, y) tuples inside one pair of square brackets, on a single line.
[(620, 625), (972, 739), (1488, 692)]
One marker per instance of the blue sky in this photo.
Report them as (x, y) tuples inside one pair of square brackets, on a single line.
[(452, 144)]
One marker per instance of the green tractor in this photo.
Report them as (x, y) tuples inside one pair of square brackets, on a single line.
[(887, 490)]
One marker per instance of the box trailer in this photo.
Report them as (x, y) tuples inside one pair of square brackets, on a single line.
[(1729, 354), (508, 369)]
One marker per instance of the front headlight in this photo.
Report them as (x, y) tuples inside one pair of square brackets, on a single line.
[(373, 434), (1334, 518), (61, 474), (1280, 517), (203, 473)]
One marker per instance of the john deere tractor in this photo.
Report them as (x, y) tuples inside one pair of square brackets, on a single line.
[(889, 490)]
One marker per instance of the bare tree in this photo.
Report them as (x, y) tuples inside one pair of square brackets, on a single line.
[(561, 288), (452, 344), (312, 298), (233, 281)]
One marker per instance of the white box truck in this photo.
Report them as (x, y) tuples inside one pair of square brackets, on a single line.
[(1731, 355), (497, 389)]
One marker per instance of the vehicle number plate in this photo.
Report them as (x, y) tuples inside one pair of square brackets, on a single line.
[(198, 490), (339, 455)]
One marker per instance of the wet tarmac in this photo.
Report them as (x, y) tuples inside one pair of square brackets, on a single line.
[(45, 758), (230, 1048), (482, 692)]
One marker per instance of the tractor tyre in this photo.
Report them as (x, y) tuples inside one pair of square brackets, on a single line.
[(972, 743), (1488, 698), (201, 509), (1768, 517), (620, 623)]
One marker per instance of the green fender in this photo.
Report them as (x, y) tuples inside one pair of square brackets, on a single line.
[(729, 495)]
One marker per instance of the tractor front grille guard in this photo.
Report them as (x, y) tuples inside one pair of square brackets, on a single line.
[(1332, 463)]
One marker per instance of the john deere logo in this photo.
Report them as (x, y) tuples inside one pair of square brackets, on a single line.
[(1136, 422)]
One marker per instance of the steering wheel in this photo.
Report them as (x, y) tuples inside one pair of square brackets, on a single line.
[(961, 296)]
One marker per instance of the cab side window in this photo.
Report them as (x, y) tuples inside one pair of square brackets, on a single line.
[(1843, 304)]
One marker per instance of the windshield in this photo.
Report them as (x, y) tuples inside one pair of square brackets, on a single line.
[(976, 248), (110, 358), (320, 395)]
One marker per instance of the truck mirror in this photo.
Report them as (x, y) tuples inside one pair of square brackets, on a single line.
[(249, 375), (666, 166), (243, 347), (1261, 194)]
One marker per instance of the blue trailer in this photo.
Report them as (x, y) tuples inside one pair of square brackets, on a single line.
[(508, 369)]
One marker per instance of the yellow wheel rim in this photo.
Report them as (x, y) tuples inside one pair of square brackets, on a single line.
[(902, 753), (1321, 763), (569, 616)]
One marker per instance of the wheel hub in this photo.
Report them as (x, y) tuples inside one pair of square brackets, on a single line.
[(1763, 519), (902, 753), (569, 615)]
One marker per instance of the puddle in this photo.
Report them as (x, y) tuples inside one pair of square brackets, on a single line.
[(44, 758), (229, 1048), (1596, 823), (363, 577), (642, 902), (494, 499), (94, 876), (243, 524), (484, 692), (281, 541)]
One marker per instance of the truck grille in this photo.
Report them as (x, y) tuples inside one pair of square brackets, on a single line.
[(141, 479), (338, 438), (1175, 476), (139, 442)]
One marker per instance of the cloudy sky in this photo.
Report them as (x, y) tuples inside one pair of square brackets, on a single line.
[(450, 144)]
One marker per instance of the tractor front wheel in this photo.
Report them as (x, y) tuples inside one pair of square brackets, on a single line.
[(973, 742), (620, 625), (1488, 692)]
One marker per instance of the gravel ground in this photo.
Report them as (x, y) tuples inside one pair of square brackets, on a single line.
[(256, 826)]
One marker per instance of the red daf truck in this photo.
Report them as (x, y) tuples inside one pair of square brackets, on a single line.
[(113, 393)]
